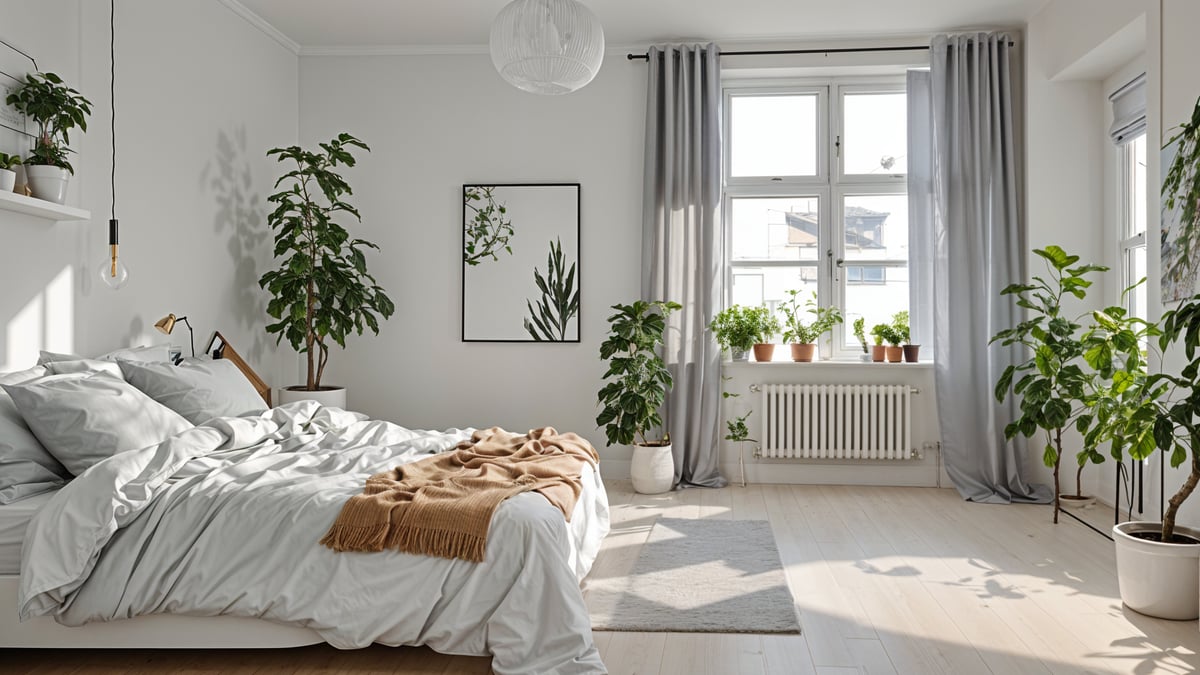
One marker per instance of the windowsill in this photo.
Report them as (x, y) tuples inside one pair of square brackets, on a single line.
[(828, 363)]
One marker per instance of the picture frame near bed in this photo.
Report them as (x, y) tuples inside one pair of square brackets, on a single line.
[(520, 259)]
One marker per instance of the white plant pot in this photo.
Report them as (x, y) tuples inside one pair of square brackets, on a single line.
[(48, 182), (652, 469), (1070, 502), (330, 397), (1156, 579), (865, 358), (8, 180)]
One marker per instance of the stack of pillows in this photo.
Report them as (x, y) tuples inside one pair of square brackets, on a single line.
[(67, 413)]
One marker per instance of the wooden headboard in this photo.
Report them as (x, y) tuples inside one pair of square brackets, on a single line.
[(219, 348)]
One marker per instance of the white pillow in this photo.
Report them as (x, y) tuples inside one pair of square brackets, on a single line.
[(152, 353), (83, 366), (198, 389), (26, 469), (82, 419)]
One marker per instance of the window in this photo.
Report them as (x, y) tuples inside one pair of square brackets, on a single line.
[(815, 198), (1132, 176)]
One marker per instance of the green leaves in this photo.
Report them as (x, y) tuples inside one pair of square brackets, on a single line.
[(740, 327), (638, 380), (549, 320), (486, 227), (56, 108), (321, 288), (796, 330)]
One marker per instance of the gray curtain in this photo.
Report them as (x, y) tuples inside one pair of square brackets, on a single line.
[(682, 245), (979, 248)]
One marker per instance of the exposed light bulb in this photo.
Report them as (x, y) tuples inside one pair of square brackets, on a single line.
[(113, 273)]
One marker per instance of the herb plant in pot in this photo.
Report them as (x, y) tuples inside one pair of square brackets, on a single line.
[(893, 337), (8, 177), (321, 291), (912, 353), (56, 108), (860, 334), (1157, 562), (879, 333), (803, 336), (739, 328), (637, 382)]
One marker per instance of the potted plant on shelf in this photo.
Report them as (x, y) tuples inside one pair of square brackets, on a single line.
[(56, 108), (1052, 384), (321, 290), (912, 352), (893, 337), (739, 328), (803, 336), (637, 384), (1157, 562), (8, 177), (880, 333), (860, 334)]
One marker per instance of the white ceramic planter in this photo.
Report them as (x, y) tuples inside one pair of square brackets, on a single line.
[(1069, 502), (1160, 580), (48, 182), (8, 180), (330, 397), (652, 469)]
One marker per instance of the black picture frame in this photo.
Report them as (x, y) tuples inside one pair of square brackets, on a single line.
[(504, 255)]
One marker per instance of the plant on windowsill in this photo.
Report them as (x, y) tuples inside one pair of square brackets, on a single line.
[(803, 336), (1052, 384), (8, 177), (886, 332), (321, 291), (860, 334), (739, 328), (912, 353), (636, 387), (879, 333), (56, 109)]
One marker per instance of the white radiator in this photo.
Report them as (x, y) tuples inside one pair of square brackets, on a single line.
[(836, 421)]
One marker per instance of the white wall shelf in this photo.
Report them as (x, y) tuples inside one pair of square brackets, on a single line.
[(11, 201)]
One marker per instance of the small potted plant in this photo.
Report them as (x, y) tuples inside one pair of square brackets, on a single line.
[(860, 334), (879, 333), (739, 433), (739, 328), (894, 338), (803, 336), (637, 384), (8, 177), (912, 352), (321, 291), (56, 108)]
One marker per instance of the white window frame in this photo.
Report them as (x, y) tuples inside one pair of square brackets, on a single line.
[(1127, 243), (830, 185)]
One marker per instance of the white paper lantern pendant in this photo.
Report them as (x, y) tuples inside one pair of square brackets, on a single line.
[(547, 46)]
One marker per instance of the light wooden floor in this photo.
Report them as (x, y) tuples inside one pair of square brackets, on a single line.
[(886, 580)]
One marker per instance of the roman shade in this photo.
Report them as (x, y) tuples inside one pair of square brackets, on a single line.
[(1129, 111)]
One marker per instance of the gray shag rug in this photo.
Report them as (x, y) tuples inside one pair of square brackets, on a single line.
[(699, 576)]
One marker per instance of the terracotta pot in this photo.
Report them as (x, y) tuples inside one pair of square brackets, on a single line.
[(803, 352), (763, 352), (877, 353), (894, 354), (912, 353)]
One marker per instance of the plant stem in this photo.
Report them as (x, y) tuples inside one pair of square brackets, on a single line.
[(1057, 464), (1079, 481), (1168, 524), (311, 379)]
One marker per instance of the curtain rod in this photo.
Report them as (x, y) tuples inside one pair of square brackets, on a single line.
[(836, 50)]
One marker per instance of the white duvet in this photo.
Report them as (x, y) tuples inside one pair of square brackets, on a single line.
[(225, 519)]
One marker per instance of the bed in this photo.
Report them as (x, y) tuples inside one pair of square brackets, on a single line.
[(209, 539)]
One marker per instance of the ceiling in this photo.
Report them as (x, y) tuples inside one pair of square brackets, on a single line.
[(462, 23)]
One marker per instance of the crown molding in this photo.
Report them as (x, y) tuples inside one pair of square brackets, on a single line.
[(262, 25)]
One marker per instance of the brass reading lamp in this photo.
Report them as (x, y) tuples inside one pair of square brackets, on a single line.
[(167, 324)]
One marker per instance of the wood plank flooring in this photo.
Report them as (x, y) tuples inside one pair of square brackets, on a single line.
[(886, 580)]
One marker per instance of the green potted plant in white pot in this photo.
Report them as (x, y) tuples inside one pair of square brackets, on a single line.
[(56, 108), (321, 291), (636, 387), (803, 336), (8, 176)]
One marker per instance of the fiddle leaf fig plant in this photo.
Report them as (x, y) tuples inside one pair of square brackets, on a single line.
[(321, 290), (1051, 383), (56, 109), (637, 378)]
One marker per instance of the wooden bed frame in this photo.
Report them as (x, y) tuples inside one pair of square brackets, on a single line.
[(158, 631)]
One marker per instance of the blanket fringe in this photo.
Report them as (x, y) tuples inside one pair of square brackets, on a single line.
[(438, 543), (356, 537)]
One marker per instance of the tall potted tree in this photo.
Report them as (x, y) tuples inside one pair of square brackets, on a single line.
[(636, 387), (321, 290), (56, 109), (1051, 382)]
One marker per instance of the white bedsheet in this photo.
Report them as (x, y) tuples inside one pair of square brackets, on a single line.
[(225, 519), (14, 518)]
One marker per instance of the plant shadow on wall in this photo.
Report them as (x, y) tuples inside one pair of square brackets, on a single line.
[(239, 217)]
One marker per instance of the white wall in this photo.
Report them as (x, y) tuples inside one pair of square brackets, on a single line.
[(433, 124), (201, 95)]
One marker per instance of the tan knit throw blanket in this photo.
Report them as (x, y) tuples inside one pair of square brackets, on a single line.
[(442, 506)]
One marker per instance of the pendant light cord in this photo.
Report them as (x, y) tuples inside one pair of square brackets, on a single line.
[(112, 95)]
